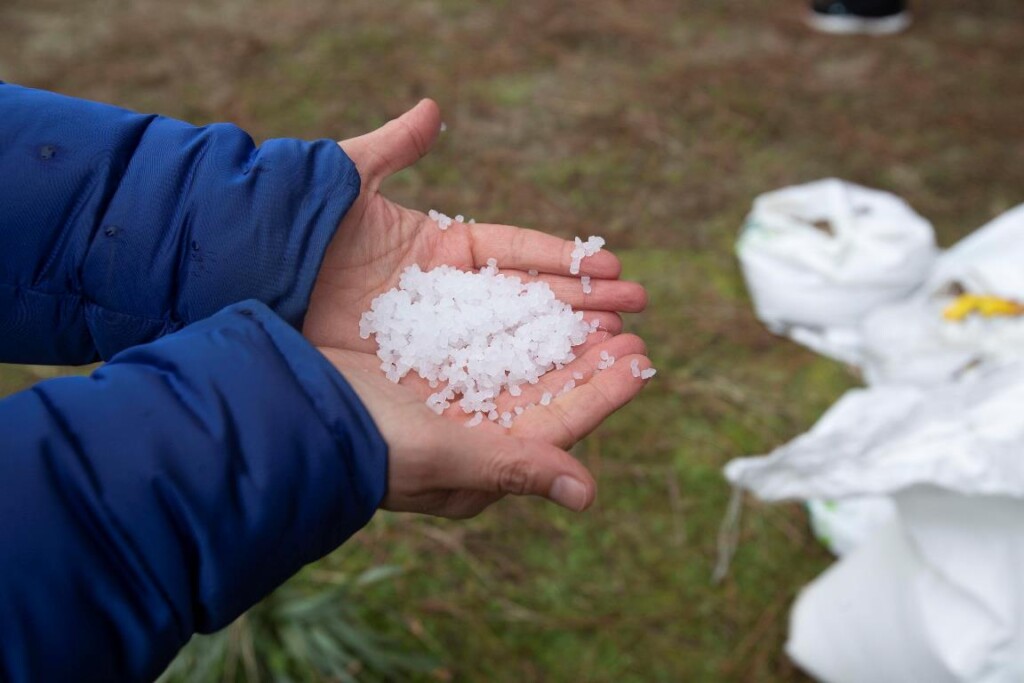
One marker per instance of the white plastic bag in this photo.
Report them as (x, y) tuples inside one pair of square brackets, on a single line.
[(818, 257), (906, 341), (859, 623), (918, 481), (939, 591), (912, 342), (966, 436), (935, 597), (841, 525)]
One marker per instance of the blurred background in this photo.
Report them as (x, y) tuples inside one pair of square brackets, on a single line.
[(654, 124)]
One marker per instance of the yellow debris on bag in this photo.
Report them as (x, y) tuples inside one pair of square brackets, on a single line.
[(984, 305)]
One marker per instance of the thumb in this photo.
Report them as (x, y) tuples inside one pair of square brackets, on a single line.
[(505, 464), (397, 144)]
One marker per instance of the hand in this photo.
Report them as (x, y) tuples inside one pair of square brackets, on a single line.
[(441, 467), (438, 466), (378, 239)]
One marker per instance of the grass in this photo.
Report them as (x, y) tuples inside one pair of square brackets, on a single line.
[(653, 123)]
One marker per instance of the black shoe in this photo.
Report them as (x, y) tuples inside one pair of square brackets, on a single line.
[(873, 17)]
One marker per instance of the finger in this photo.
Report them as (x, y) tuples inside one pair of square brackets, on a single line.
[(593, 339), (397, 144), (465, 504), (604, 295), (573, 415), (579, 371), (607, 321), (490, 461), (526, 249)]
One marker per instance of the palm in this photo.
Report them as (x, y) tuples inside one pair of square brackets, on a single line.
[(376, 241)]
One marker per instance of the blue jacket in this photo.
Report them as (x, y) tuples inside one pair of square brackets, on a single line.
[(216, 452)]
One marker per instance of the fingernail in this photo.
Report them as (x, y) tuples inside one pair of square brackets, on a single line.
[(569, 493)]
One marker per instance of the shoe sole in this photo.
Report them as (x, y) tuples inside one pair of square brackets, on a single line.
[(846, 26)]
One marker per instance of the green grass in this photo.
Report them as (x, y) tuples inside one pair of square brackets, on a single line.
[(653, 123)]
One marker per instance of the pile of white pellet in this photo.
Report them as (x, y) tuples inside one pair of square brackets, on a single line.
[(472, 335)]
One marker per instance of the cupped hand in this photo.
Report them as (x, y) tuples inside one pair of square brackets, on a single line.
[(440, 466), (378, 239)]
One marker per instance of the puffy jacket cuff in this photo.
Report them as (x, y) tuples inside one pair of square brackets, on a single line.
[(338, 407), (203, 219), (120, 227)]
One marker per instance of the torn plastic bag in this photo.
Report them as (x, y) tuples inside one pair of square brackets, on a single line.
[(818, 257), (859, 620), (945, 578)]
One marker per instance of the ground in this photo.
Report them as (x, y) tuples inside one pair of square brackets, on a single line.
[(654, 124)]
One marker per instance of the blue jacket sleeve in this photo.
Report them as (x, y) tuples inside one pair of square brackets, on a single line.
[(171, 490), (118, 227)]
